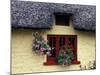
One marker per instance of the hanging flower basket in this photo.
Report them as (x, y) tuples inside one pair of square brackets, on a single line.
[(40, 45)]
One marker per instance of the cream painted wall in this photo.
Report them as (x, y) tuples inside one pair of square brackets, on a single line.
[(24, 60)]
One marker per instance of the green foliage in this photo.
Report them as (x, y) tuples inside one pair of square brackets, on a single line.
[(39, 44), (65, 57)]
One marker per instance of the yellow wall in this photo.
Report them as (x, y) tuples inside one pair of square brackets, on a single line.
[(24, 60)]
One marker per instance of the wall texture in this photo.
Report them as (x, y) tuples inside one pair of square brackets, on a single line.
[(26, 61)]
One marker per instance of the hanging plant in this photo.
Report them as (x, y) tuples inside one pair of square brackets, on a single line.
[(65, 55), (40, 45)]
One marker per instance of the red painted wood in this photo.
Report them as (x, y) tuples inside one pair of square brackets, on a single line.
[(57, 45), (55, 63), (75, 44), (51, 60)]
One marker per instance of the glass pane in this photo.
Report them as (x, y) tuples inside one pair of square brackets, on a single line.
[(61, 41), (50, 41), (54, 41)]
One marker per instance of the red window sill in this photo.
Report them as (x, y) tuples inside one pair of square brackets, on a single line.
[(52, 62)]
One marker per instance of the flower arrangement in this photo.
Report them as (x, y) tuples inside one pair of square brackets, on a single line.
[(89, 66), (40, 45), (65, 55)]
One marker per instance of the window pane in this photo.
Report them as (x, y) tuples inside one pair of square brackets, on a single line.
[(62, 19), (54, 41), (62, 41), (50, 41)]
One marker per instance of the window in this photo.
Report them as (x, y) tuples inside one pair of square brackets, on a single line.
[(52, 43), (62, 19), (58, 41)]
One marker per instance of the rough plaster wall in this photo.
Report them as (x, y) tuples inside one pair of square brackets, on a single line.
[(26, 61)]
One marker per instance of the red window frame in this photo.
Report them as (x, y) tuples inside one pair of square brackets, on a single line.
[(54, 42)]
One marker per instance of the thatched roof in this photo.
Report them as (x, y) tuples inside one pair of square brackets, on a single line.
[(31, 14)]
